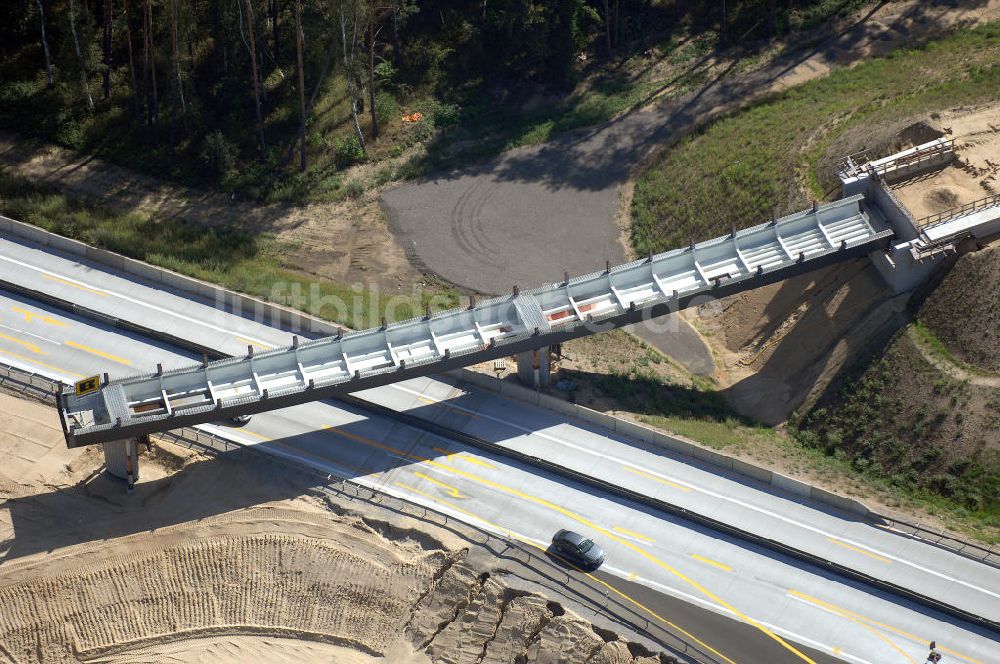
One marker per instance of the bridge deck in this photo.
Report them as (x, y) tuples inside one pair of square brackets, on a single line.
[(593, 303)]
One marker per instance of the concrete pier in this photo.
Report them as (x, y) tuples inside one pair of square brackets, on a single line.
[(534, 366), (121, 460)]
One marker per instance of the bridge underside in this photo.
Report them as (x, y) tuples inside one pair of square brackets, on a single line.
[(500, 327)]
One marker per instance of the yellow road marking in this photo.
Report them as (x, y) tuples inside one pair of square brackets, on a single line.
[(21, 342), (31, 315), (896, 630), (709, 561), (607, 585), (40, 363), (435, 402), (858, 550), (464, 457), (256, 435), (476, 462), (847, 614), (375, 444), (655, 478), (447, 453), (255, 343), (642, 552), (74, 285), (636, 535), (452, 491), (632, 576), (99, 353)]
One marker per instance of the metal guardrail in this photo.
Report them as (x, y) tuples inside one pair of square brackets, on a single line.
[(639, 620), (28, 385), (932, 220), (773, 545)]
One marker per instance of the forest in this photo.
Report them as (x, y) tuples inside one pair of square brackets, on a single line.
[(274, 97)]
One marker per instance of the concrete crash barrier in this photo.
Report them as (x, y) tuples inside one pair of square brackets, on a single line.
[(667, 442), (275, 312), (267, 312)]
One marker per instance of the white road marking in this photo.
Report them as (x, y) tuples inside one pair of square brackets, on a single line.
[(715, 608), (30, 334), (128, 299), (719, 496)]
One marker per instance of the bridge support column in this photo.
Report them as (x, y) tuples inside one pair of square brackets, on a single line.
[(533, 367), (121, 460)]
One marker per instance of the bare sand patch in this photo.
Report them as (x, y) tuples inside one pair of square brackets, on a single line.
[(237, 648), (971, 176), (217, 560)]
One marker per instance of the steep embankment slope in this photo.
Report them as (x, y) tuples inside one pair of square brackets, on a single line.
[(925, 413)]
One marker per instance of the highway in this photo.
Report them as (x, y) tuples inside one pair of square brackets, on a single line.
[(788, 606)]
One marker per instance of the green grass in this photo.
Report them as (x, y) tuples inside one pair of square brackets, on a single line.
[(739, 168), (931, 341), (250, 264), (731, 434)]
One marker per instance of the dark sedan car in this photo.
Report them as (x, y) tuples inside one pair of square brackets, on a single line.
[(577, 549)]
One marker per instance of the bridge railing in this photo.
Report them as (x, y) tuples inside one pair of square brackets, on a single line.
[(985, 554), (915, 158), (932, 220)]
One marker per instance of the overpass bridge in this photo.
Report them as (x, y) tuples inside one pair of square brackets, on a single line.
[(103, 410), (868, 221)]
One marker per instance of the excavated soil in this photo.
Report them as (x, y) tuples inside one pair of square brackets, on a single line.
[(972, 175), (778, 348), (225, 561)]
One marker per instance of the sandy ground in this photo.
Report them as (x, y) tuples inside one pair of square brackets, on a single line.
[(221, 561), (973, 174)]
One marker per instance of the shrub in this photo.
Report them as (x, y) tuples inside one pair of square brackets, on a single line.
[(70, 134), (218, 154), (355, 188), (386, 107), (347, 151), (442, 114)]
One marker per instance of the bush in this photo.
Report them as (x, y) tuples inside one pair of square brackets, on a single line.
[(347, 151), (386, 107), (355, 188), (422, 131), (70, 134), (218, 154), (442, 114)]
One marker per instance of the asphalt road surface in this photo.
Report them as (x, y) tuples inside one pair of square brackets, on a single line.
[(530, 214), (783, 603)]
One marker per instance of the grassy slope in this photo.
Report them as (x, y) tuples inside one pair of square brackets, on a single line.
[(906, 421), (932, 449), (236, 260), (736, 169), (619, 372)]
